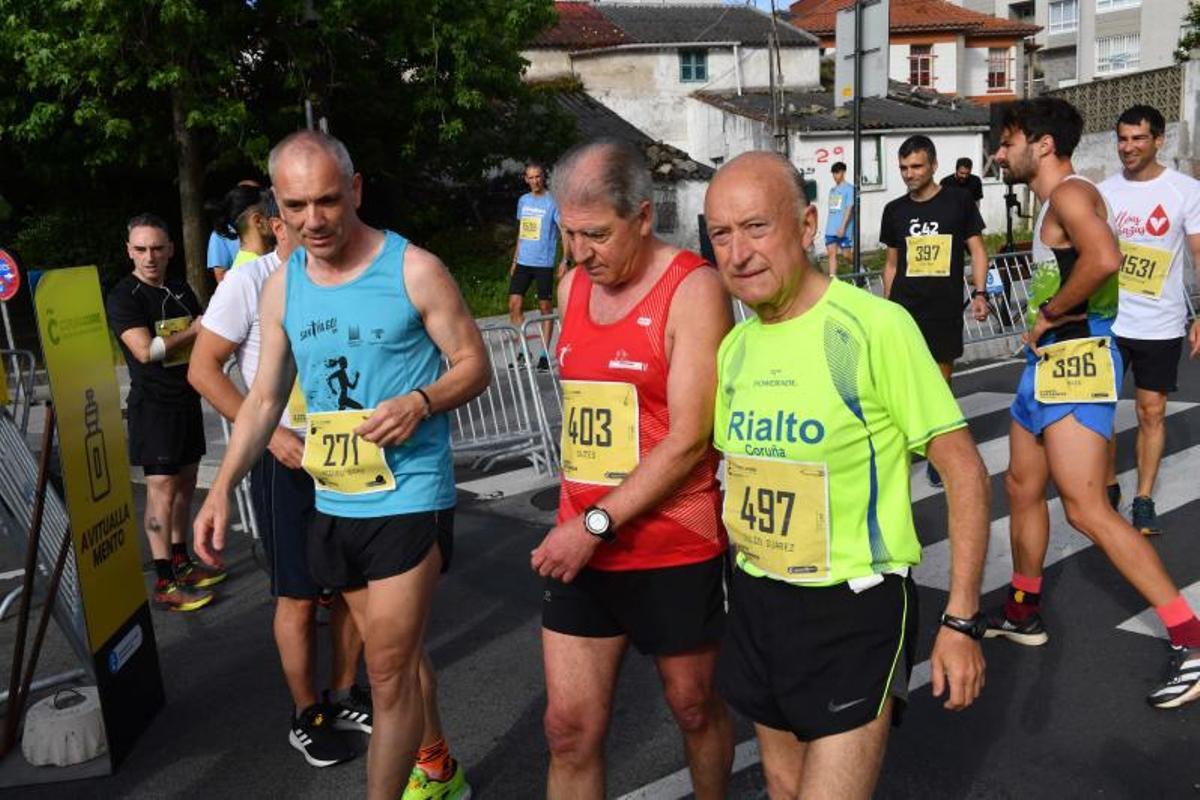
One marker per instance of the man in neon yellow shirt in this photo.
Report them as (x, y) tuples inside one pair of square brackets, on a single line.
[(821, 398)]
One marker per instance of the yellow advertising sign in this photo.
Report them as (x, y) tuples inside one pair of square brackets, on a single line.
[(91, 436)]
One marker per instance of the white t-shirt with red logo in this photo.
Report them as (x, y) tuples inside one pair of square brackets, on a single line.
[(1157, 214)]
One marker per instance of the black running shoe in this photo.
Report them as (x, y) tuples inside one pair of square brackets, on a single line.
[(1182, 681), (354, 712), (935, 479), (1031, 632), (1144, 518), (519, 363), (313, 735), (1114, 495), (543, 364)]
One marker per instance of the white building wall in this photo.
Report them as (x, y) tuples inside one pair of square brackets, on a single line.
[(945, 65), (644, 87), (545, 64), (689, 199)]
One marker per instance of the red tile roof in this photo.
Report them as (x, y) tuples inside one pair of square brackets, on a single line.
[(580, 26), (819, 17)]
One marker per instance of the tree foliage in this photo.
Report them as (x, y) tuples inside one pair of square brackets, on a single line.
[(1189, 36), (119, 99)]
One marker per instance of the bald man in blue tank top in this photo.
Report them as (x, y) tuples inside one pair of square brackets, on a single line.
[(364, 319)]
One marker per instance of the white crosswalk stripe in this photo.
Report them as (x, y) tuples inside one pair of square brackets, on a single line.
[(1177, 486)]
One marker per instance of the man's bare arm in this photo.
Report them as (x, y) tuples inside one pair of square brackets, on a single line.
[(979, 263), (449, 324), (138, 340), (259, 413), (206, 373), (889, 270), (1194, 334), (700, 317), (968, 496), (956, 663)]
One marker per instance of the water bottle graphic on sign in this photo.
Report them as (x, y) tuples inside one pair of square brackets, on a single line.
[(94, 449)]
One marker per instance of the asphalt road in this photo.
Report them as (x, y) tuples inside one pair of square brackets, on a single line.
[(1065, 720)]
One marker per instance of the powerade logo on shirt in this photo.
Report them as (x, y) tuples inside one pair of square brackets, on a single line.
[(782, 426)]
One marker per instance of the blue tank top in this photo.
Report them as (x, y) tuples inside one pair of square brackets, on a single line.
[(356, 345)]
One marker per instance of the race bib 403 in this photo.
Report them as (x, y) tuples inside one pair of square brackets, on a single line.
[(928, 256), (600, 431), (777, 512), (1076, 371), (1144, 269), (339, 460)]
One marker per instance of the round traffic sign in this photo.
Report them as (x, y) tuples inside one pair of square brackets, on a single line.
[(10, 276)]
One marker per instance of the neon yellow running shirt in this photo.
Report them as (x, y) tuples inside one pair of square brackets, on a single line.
[(817, 417)]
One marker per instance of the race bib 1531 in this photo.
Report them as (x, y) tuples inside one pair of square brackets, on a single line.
[(1144, 269)]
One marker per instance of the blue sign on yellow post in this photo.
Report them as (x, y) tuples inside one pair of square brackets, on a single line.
[(74, 334)]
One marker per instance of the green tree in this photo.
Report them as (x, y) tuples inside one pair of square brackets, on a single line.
[(1189, 36), (421, 92)]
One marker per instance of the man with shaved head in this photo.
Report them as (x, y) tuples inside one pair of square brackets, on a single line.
[(821, 398), (638, 554), (365, 319)]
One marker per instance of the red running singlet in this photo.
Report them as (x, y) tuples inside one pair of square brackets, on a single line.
[(687, 528)]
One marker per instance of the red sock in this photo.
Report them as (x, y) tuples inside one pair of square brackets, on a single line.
[(434, 760), (1024, 597), (1181, 623)]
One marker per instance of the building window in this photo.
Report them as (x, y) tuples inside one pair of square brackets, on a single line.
[(998, 69), (1064, 16), (693, 66), (872, 172), (1113, 5), (920, 65), (1118, 53), (666, 208)]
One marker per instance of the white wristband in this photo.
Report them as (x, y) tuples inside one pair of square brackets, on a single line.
[(158, 348)]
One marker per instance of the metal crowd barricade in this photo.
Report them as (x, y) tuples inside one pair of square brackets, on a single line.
[(18, 482), (20, 367), (1009, 275), (243, 500), (506, 420), (549, 389)]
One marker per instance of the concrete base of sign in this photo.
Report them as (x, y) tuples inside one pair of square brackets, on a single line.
[(64, 729)]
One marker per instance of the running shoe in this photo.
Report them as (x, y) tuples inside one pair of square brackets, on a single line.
[(313, 735), (543, 364), (189, 573), (353, 712), (519, 363), (422, 787), (935, 480), (1181, 684), (1144, 518), (1114, 495), (174, 597), (1031, 632)]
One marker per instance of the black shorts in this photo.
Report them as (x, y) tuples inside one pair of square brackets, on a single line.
[(1155, 362), (662, 611), (943, 337), (817, 661), (523, 276), (346, 552), (164, 439), (283, 508)]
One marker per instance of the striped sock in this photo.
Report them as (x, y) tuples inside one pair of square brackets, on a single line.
[(1024, 597)]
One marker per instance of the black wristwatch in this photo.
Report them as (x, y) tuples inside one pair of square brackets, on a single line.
[(975, 627), (978, 293), (598, 523)]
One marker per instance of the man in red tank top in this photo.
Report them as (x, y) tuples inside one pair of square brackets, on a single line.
[(638, 554)]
